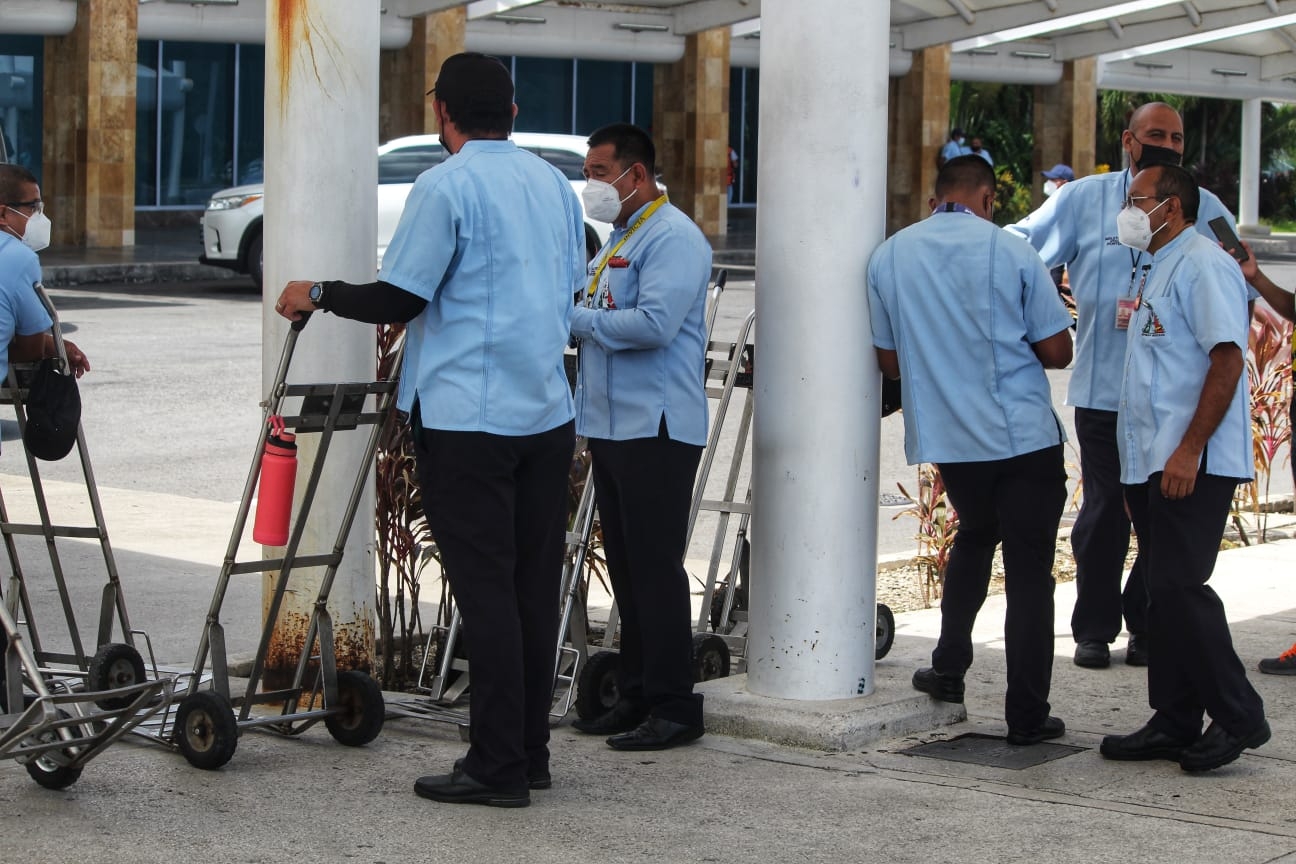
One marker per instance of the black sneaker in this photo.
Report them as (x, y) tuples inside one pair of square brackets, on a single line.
[(1283, 664), (946, 688)]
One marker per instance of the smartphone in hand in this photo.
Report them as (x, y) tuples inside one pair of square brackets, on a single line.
[(1232, 244)]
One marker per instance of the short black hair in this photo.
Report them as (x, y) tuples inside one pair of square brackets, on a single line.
[(630, 144), (967, 173), (1177, 182), (12, 179), (478, 94)]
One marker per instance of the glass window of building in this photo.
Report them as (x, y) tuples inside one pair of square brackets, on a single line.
[(21, 82), (543, 92), (604, 90)]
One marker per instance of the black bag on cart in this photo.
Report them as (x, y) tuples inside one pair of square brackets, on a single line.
[(53, 412)]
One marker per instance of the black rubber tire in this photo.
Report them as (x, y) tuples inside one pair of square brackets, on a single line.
[(115, 665), (596, 687), (885, 631), (710, 657), (49, 773), (256, 259), (205, 730), (362, 710)]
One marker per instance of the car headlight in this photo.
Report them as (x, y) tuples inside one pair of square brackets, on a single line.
[(232, 202)]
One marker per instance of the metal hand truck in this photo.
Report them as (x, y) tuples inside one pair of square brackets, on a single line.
[(58, 709), (208, 722)]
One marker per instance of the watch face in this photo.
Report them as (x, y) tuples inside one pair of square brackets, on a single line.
[(316, 292)]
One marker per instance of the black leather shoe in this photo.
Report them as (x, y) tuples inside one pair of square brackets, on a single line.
[(621, 717), (459, 788), (656, 734), (946, 688), (1136, 652), (1146, 743), (537, 778), (1092, 654), (1052, 727), (1220, 747)]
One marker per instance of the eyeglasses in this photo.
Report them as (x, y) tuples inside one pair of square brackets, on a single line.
[(1130, 199), (37, 206)]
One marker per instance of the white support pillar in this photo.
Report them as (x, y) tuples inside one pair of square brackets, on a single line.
[(1249, 172), (321, 140), (814, 546)]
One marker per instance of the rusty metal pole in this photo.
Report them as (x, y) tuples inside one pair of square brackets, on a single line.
[(321, 180)]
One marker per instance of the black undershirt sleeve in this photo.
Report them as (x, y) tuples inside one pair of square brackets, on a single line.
[(375, 303)]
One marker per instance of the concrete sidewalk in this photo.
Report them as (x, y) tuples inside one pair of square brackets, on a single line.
[(720, 800)]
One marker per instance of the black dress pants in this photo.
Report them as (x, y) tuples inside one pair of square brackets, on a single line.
[(497, 508), (643, 487), (1016, 501), (1100, 539), (1192, 666)]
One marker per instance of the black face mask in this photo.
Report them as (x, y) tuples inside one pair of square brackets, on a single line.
[(1154, 155)]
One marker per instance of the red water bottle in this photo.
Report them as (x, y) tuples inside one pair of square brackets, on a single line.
[(278, 479)]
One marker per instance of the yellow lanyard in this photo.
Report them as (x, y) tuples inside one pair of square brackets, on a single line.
[(611, 253)]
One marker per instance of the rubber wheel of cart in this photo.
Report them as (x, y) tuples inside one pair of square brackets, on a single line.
[(885, 631), (361, 710), (115, 665), (46, 770), (205, 730), (596, 689), (710, 657)]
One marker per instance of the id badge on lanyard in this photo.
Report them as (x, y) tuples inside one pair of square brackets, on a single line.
[(1127, 306)]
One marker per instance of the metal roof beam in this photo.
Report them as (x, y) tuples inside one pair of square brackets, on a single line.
[(951, 28), (707, 14), (419, 8), (1104, 41)]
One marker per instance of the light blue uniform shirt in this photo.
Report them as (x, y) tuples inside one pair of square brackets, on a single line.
[(961, 301), (643, 334), (953, 149), (1194, 299), (494, 240), (21, 312), (1076, 226)]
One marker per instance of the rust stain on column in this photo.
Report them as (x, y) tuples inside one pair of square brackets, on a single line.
[(292, 25)]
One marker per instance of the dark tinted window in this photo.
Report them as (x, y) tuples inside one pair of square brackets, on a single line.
[(570, 164), (405, 164)]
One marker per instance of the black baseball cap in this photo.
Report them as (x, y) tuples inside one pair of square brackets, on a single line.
[(474, 85)]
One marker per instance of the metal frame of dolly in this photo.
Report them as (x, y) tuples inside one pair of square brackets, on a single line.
[(58, 710), (208, 722)]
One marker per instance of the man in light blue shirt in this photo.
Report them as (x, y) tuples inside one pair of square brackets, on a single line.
[(953, 147), (967, 316), (641, 400), (1184, 433), (979, 149), (1077, 227), (482, 266)]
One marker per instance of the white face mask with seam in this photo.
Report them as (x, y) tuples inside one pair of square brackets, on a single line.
[(1050, 186), (37, 234), (1134, 227), (601, 199)]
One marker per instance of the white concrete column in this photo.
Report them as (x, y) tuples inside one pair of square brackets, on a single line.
[(814, 529), (321, 181), (1249, 172)]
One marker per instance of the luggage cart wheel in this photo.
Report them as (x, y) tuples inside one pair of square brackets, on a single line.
[(360, 710), (710, 657), (885, 631), (47, 770), (205, 729), (115, 665), (596, 691)]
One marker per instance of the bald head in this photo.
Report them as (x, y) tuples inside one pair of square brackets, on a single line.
[(1154, 137)]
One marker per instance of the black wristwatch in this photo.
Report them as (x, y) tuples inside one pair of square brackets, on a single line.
[(317, 295)]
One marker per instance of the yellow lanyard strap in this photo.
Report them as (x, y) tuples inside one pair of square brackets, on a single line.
[(611, 253)]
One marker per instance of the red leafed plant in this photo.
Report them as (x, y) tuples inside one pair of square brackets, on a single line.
[(937, 525), (1268, 369)]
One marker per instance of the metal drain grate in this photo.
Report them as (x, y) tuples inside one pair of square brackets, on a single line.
[(991, 750)]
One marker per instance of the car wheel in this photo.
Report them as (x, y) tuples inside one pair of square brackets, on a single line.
[(255, 260)]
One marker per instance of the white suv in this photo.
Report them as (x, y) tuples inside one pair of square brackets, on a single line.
[(231, 226)]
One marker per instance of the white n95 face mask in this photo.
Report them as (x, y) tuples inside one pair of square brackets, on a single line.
[(1134, 227), (601, 200), (1050, 186), (37, 235)]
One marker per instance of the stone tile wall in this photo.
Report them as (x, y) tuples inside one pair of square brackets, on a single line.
[(405, 75), (918, 126)]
